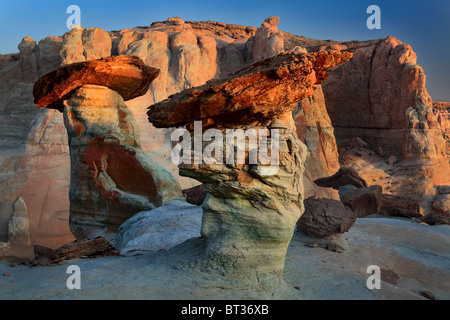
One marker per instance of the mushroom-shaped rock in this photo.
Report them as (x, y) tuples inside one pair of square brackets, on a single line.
[(127, 75), (112, 178), (254, 199)]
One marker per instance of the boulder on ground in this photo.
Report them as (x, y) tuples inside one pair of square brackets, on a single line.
[(400, 206), (325, 217), (441, 211), (160, 228), (443, 189), (364, 201)]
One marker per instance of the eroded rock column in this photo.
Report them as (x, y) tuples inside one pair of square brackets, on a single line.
[(252, 204), (111, 176), (251, 209)]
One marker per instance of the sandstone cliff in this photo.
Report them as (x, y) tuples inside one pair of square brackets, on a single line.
[(380, 96), (442, 111)]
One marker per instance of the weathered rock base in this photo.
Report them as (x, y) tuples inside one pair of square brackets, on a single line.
[(250, 212), (111, 176)]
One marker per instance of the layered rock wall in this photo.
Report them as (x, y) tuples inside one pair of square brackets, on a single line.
[(442, 111), (380, 97), (384, 90)]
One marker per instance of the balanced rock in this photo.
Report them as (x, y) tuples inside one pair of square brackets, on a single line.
[(325, 217), (261, 92), (253, 204), (127, 75), (112, 178)]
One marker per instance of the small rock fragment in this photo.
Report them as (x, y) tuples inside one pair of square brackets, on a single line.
[(427, 294), (361, 142), (380, 151), (389, 276), (392, 160)]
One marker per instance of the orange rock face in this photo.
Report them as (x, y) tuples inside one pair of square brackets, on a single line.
[(315, 130), (127, 75), (380, 96), (383, 89), (263, 91), (442, 111)]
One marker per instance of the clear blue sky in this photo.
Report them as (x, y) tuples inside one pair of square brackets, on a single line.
[(425, 24)]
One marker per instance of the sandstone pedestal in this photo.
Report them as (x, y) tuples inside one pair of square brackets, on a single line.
[(250, 212), (253, 204), (112, 178)]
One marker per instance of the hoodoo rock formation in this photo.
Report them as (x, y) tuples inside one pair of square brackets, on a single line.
[(18, 247), (252, 206), (111, 177), (34, 145), (359, 98)]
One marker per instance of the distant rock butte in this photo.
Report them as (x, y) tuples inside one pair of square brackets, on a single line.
[(380, 97)]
